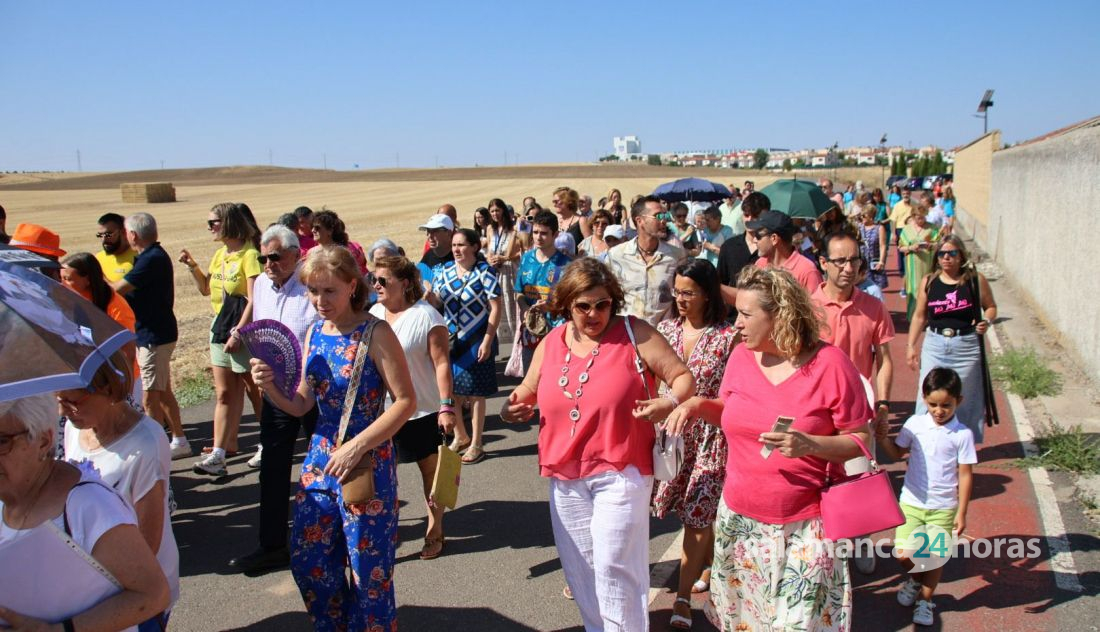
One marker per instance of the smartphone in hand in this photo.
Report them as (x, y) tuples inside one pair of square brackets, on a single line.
[(782, 424)]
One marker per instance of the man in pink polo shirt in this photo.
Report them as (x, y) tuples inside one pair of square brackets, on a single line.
[(859, 325), (773, 231)]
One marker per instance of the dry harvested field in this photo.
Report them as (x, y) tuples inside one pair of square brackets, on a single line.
[(381, 203)]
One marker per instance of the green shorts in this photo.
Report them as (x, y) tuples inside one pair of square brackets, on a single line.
[(917, 517), (237, 361)]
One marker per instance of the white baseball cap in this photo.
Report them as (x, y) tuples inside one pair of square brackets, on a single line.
[(614, 230), (438, 221)]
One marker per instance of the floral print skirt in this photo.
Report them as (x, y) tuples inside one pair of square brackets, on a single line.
[(776, 576)]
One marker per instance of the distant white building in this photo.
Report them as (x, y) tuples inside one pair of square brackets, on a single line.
[(627, 147)]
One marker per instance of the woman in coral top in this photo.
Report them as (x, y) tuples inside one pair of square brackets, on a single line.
[(596, 442), (768, 529)]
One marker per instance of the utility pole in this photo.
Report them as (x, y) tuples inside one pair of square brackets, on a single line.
[(270, 159), (162, 165), (397, 159), (437, 161), (324, 161), (78, 166)]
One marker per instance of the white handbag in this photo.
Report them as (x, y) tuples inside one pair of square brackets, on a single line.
[(668, 451), (668, 455)]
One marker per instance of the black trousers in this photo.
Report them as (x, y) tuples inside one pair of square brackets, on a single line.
[(278, 433)]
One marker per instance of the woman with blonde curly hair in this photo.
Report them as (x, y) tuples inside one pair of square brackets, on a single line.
[(769, 525)]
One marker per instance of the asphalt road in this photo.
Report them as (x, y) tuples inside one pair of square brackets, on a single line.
[(499, 570)]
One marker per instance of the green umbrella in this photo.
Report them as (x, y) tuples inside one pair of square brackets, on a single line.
[(797, 198)]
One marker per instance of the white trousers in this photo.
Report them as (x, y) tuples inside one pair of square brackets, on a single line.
[(601, 529)]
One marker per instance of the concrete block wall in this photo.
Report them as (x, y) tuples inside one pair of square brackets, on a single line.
[(1043, 228)]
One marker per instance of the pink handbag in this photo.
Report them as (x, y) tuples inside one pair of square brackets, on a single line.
[(860, 505)]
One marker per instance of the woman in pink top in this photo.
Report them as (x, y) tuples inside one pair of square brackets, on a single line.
[(596, 441), (768, 529)]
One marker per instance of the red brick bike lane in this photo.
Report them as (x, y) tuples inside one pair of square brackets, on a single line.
[(976, 594)]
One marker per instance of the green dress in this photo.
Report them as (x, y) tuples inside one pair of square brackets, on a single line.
[(917, 263)]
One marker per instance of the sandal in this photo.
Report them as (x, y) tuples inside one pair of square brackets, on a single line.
[(680, 622), (433, 548), (459, 446), (473, 455)]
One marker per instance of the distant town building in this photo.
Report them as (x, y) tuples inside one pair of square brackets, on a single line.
[(628, 148)]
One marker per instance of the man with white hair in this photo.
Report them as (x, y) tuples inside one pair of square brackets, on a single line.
[(279, 295), (150, 288)]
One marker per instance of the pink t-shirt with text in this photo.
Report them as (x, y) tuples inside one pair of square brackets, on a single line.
[(823, 396)]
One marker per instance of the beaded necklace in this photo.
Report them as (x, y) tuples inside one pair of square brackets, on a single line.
[(582, 379)]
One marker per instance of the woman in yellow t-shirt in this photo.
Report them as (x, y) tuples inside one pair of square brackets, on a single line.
[(232, 272)]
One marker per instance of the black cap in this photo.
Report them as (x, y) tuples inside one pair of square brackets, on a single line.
[(774, 222)]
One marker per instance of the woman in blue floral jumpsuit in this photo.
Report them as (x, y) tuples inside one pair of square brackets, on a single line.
[(330, 537)]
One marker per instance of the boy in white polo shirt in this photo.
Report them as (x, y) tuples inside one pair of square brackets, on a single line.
[(938, 481)]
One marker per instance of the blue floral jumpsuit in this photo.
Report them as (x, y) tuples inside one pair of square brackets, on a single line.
[(329, 536)]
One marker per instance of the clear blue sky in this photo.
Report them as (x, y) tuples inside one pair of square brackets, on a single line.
[(130, 84)]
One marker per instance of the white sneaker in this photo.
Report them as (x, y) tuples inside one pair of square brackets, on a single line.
[(211, 464), (257, 458), (181, 448), (923, 615), (907, 595)]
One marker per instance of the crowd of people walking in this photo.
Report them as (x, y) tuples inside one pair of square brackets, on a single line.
[(758, 340)]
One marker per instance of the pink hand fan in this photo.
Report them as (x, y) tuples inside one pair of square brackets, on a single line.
[(277, 346)]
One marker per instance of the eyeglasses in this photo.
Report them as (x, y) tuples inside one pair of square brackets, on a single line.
[(943, 254), (688, 294), (211, 223), (380, 281), (586, 308), (105, 234), (73, 404), (273, 258), (7, 441), (840, 262)]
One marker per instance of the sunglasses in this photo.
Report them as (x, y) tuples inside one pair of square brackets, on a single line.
[(585, 307), (105, 234), (73, 404), (380, 281), (943, 254), (273, 258), (688, 294), (211, 223), (760, 233)]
